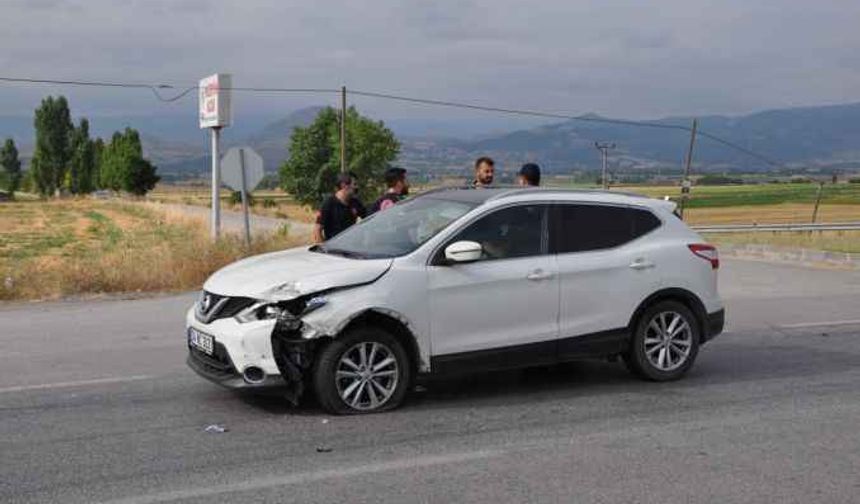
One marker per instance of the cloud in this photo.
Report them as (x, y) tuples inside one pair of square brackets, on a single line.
[(620, 58)]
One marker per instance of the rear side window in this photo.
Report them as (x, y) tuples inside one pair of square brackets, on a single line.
[(580, 228)]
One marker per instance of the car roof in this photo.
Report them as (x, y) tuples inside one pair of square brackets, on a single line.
[(480, 196)]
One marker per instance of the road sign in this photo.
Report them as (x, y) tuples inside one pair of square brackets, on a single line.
[(231, 168), (214, 94), (243, 170)]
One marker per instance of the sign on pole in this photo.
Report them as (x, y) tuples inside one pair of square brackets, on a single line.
[(215, 103), (243, 171), (215, 113)]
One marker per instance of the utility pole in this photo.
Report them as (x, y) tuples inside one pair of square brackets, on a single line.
[(817, 202), (343, 129), (604, 147), (685, 183)]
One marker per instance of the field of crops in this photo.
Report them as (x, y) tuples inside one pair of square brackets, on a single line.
[(754, 195)]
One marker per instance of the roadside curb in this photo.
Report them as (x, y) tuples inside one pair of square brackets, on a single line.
[(805, 257)]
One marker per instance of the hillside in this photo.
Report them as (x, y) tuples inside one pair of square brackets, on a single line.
[(808, 138), (800, 137)]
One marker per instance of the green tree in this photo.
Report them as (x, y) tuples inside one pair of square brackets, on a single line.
[(11, 165), (82, 166), (122, 166), (311, 170), (98, 151), (53, 124)]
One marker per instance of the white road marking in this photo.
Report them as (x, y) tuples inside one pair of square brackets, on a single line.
[(820, 324), (79, 383), (307, 477)]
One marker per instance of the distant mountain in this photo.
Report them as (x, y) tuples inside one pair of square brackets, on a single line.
[(823, 138), (806, 137), (273, 140)]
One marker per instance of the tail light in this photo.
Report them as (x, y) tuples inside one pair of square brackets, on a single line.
[(706, 252)]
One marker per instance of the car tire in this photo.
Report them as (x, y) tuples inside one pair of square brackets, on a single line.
[(365, 370), (665, 342)]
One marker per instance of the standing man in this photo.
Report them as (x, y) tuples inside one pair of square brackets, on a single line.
[(484, 170), (339, 211), (529, 175), (398, 188)]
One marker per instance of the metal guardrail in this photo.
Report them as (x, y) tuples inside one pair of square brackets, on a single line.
[(752, 228)]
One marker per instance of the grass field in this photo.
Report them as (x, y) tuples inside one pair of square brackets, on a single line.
[(52, 249), (831, 241), (757, 195)]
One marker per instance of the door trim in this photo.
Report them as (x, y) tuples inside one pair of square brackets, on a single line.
[(584, 346)]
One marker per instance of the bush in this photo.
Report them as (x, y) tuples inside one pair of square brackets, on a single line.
[(854, 180), (269, 203), (236, 198), (718, 180)]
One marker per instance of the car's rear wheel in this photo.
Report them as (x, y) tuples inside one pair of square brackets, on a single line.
[(365, 370), (665, 342)]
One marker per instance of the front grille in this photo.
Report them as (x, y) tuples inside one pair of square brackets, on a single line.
[(213, 307)]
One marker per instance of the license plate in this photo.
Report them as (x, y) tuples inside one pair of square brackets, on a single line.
[(200, 341)]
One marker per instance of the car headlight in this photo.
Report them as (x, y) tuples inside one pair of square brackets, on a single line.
[(274, 311), (260, 311)]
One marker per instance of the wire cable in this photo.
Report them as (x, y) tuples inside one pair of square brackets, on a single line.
[(154, 88)]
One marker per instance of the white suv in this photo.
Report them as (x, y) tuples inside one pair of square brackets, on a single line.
[(462, 280)]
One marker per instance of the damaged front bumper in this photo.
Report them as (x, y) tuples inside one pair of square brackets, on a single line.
[(256, 355)]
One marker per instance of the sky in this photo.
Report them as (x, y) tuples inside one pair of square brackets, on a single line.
[(631, 59)]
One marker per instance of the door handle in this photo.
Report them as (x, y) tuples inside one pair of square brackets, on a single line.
[(641, 264), (538, 275)]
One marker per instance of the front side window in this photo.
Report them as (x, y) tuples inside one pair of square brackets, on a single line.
[(507, 233), (582, 227)]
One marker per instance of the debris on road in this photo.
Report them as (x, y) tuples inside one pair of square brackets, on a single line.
[(215, 428)]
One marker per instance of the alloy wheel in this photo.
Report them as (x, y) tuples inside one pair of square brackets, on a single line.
[(668, 341), (367, 375)]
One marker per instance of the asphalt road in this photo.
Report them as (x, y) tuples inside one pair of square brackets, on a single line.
[(96, 405)]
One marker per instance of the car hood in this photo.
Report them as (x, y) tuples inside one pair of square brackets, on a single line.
[(285, 275)]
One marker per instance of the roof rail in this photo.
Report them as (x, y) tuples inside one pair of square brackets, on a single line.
[(557, 190)]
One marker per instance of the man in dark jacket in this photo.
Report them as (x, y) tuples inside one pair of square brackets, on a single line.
[(529, 175), (398, 188), (339, 211)]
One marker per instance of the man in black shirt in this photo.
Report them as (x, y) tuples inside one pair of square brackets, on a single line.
[(339, 211), (398, 188)]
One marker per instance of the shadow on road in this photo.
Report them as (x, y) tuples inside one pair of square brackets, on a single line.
[(735, 358)]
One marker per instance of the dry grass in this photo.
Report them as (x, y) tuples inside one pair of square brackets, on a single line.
[(62, 248), (832, 241)]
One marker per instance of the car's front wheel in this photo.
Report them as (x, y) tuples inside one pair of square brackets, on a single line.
[(365, 370), (665, 342)]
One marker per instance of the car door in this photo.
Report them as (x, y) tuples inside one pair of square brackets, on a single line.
[(502, 310), (605, 271)]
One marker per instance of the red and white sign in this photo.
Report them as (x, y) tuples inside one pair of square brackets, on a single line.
[(215, 109)]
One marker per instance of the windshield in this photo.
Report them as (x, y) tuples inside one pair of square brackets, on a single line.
[(398, 230)]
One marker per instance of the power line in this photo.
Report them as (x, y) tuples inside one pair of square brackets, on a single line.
[(184, 91), (584, 118), (533, 113)]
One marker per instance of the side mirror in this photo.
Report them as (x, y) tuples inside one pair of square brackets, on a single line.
[(463, 251)]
